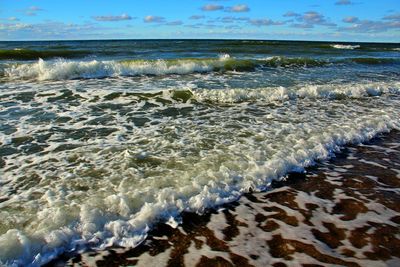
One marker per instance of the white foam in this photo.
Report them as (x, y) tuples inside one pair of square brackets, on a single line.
[(224, 56), (312, 91), (111, 192), (341, 46)]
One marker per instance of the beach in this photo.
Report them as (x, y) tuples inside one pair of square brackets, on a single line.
[(199, 152)]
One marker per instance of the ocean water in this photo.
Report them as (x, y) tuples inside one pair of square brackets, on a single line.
[(101, 140)]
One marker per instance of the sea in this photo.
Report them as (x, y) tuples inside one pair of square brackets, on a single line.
[(101, 142)]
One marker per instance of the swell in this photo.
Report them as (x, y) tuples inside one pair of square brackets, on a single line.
[(50, 50), (27, 54), (373, 61), (64, 69)]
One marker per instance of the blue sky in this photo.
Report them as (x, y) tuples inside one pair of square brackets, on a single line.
[(338, 20)]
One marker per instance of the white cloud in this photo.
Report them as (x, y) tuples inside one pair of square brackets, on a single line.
[(113, 18), (392, 17), (343, 3), (238, 8), (291, 14), (13, 19), (265, 22), (51, 30), (212, 7), (197, 17), (231, 19), (372, 26), (154, 19), (174, 23), (350, 19), (309, 19), (389, 22), (15, 26), (35, 8), (31, 11)]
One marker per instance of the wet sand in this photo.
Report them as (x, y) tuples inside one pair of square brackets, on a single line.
[(342, 212)]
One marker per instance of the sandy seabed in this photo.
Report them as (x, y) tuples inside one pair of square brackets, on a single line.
[(341, 212)]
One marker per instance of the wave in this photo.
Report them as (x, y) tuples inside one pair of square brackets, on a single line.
[(62, 69), (263, 95), (65, 69), (329, 92), (279, 61), (267, 95), (27, 54), (342, 46)]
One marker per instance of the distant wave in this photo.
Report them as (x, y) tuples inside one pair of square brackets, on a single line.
[(341, 46)]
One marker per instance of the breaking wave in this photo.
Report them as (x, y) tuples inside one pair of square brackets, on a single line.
[(265, 95), (342, 46), (64, 69), (329, 92)]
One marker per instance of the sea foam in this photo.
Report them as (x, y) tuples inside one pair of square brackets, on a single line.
[(113, 165), (342, 46), (125, 214), (311, 91)]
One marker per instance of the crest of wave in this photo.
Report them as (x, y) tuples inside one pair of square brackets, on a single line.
[(63, 69), (329, 91)]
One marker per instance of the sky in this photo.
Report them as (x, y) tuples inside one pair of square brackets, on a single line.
[(318, 20)]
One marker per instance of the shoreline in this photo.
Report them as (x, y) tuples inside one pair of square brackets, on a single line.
[(343, 211)]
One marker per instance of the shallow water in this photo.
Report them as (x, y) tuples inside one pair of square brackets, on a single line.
[(339, 212), (97, 147)]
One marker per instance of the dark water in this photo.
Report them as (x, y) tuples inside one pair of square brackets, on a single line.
[(156, 49), (100, 140)]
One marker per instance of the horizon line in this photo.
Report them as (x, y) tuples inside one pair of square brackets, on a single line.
[(199, 39)]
